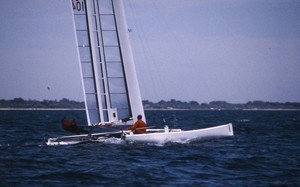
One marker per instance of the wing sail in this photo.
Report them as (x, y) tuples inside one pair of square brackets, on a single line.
[(111, 90)]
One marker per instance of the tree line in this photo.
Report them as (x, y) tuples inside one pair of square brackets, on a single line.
[(171, 104), (215, 105), (21, 103)]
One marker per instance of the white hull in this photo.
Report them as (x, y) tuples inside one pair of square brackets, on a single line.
[(152, 136), (181, 136)]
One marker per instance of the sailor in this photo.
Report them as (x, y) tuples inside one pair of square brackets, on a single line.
[(71, 126), (139, 127)]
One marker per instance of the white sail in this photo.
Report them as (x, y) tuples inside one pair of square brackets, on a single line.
[(109, 79)]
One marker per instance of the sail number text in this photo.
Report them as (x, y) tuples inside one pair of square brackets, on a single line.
[(78, 5)]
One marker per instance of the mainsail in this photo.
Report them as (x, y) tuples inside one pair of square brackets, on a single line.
[(109, 79)]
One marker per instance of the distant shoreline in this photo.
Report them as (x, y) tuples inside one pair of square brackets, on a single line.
[(254, 109), (1, 109), (151, 109), (66, 104)]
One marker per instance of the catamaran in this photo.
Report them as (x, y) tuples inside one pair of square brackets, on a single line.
[(110, 85)]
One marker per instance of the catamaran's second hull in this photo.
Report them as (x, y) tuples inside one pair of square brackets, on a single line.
[(181, 136), (79, 139)]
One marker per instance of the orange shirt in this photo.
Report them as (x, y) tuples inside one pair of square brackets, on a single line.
[(138, 127)]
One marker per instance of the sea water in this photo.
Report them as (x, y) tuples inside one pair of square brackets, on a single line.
[(264, 151)]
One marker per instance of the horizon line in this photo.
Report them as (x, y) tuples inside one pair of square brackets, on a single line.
[(57, 100)]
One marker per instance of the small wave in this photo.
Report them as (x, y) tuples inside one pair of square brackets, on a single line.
[(25, 144), (111, 140), (5, 145), (243, 120), (167, 143)]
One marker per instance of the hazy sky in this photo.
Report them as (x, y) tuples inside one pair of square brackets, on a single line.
[(202, 50)]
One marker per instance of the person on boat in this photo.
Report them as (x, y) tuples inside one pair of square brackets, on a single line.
[(139, 127), (71, 126)]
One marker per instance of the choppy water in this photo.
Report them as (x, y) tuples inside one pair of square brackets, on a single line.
[(265, 151)]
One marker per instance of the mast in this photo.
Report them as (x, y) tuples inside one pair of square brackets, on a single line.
[(109, 79)]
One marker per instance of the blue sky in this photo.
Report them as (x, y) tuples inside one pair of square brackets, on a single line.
[(232, 50)]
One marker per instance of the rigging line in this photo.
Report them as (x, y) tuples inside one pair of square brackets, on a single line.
[(172, 35), (139, 37), (147, 52), (180, 49)]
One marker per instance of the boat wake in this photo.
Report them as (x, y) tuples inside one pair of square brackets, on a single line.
[(111, 140)]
